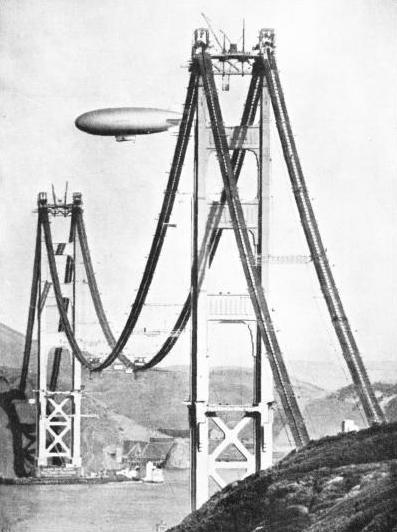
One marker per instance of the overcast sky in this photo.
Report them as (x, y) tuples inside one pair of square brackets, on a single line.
[(337, 60)]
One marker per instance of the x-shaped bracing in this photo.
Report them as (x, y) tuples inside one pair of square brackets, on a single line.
[(231, 438), (58, 437)]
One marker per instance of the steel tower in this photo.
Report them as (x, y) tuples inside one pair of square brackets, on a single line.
[(58, 411), (210, 460)]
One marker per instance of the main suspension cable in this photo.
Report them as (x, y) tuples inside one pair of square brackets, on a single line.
[(92, 283), (56, 366), (211, 239), (43, 215), (158, 240), (32, 309)]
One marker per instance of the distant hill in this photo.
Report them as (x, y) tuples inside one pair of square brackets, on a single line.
[(324, 414), (156, 397), (12, 344), (345, 483), (326, 374), (333, 374)]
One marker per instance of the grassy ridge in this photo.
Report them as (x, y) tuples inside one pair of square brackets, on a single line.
[(346, 483)]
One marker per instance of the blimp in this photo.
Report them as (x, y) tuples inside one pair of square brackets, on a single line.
[(124, 123)]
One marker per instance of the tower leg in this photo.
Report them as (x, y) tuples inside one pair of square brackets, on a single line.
[(199, 356), (214, 462), (263, 378), (76, 374)]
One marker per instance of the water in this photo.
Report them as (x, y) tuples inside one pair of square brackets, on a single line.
[(120, 507)]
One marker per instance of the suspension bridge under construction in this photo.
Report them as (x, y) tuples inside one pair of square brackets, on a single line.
[(54, 307)]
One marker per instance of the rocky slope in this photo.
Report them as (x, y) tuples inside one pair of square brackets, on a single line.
[(344, 483)]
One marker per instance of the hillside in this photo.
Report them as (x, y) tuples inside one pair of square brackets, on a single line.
[(11, 347), (156, 397), (333, 374), (324, 414), (102, 430), (344, 483)]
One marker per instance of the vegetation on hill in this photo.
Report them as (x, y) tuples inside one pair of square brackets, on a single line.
[(156, 397), (344, 483)]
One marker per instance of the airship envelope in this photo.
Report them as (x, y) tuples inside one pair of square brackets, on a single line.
[(126, 122)]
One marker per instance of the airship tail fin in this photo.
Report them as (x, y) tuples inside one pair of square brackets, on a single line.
[(173, 121)]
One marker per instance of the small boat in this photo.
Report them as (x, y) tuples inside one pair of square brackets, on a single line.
[(128, 472)]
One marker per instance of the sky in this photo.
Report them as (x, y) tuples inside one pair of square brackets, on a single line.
[(60, 58)]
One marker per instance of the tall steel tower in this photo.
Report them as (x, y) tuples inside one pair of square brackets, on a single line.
[(58, 410), (228, 441)]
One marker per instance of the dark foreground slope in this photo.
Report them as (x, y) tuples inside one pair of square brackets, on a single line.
[(344, 483)]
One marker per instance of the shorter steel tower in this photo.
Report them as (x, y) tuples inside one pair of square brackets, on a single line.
[(58, 411), (228, 441)]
